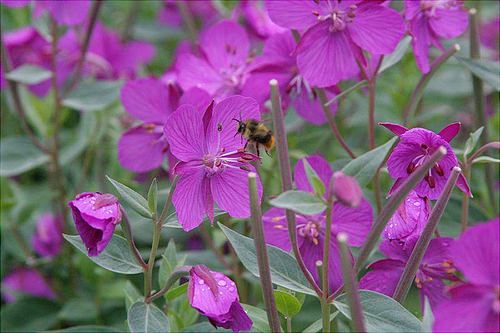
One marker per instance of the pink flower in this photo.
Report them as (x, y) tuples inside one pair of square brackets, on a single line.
[(490, 36), (15, 3), (200, 9), (215, 296), (415, 146), (435, 267), (431, 20), (257, 19), (336, 33), (346, 190), (48, 239), (71, 13), (410, 218), (475, 305), (213, 166), (25, 281), (96, 216), (223, 68), (356, 222)]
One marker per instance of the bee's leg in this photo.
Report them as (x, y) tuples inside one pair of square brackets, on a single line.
[(267, 152), (246, 145), (257, 149)]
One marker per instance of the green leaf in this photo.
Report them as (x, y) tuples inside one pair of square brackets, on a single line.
[(314, 180), (116, 257), (471, 142), (428, 319), (18, 155), (286, 303), (74, 145), (318, 324), (93, 95), (259, 318), (284, 269), (78, 310), (205, 327), (132, 295), (172, 222), (382, 313), (300, 202), (89, 329), (365, 166), (147, 318), (486, 159), (168, 263), (153, 196), (29, 314), (29, 74), (486, 70), (134, 199), (396, 56), (176, 292)]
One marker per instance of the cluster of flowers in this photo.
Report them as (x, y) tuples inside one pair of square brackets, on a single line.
[(187, 116)]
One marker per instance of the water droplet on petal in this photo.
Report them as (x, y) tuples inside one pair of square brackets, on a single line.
[(222, 283), (416, 204), (231, 289), (201, 281)]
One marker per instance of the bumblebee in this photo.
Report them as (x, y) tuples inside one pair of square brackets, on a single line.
[(255, 132)]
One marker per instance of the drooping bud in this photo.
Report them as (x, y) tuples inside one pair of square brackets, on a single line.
[(346, 189)]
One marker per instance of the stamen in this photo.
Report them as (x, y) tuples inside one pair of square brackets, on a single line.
[(439, 170), (431, 181), (411, 167)]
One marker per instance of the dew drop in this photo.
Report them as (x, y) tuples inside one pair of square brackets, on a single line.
[(232, 283), (222, 283), (231, 289), (201, 281), (416, 204)]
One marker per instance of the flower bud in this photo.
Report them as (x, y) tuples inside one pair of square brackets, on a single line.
[(215, 296), (96, 216), (346, 189), (27, 281), (47, 239)]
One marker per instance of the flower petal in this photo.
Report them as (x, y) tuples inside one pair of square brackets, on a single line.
[(195, 72), (383, 276), (230, 191), (450, 131), (309, 107), (325, 58), (276, 229), (140, 149), (185, 133), (421, 41), (395, 128), (463, 185), (376, 28), (72, 13), (356, 222), (147, 100), (450, 22), (293, 14), (318, 164)]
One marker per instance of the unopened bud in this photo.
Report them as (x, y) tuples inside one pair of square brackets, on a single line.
[(346, 189)]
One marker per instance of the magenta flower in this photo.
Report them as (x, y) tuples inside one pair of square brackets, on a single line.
[(71, 13), (279, 61), (431, 20), (356, 222), (15, 3), (435, 267), (256, 19), (47, 240), (215, 296), (336, 32), (490, 36), (477, 302), (415, 146), (96, 216), (346, 190), (213, 165), (199, 9), (409, 219), (224, 66), (108, 58), (25, 281)]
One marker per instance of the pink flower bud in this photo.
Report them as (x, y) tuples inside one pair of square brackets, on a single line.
[(346, 189), (47, 239)]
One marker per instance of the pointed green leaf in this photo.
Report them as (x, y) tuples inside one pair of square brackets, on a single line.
[(147, 318), (486, 159), (286, 303), (116, 257), (382, 313), (176, 292), (259, 318), (29, 74), (365, 166), (284, 269), (153, 196), (314, 180), (18, 155), (134, 199), (300, 202), (172, 222), (93, 95), (471, 142), (486, 70), (168, 263), (396, 56), (318, 324), (132, 295)]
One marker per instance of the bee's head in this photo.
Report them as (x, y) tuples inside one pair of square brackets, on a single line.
[(241, 126)]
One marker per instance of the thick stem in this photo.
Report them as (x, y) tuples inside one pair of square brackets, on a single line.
[(18, 104), (262, 258), (127, 231), (351, 286), (331, 121), (86, 41), (286, 178), (420, 248), (325, 314), (176, 275), (417, 94)]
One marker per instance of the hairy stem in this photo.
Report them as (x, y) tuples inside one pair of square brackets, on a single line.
[(420, 248), (286, 178), (262, 258), (350, 285)]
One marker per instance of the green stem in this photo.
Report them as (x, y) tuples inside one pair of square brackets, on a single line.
[(326, 258), (176, 275), (286, 178), (289, 324), (127, 231), (325, 313), (420, 248), (262, 258), (350, 285)]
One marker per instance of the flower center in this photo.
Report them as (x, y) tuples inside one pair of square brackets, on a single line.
[(310, 231), (297, 84), (340, 18), (420, 159)]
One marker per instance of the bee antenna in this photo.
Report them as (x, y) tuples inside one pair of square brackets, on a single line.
[(239, 121)]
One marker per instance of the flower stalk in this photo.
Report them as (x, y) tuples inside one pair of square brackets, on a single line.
[(262, 258), (350, 285), (286, 178), (418, 92), (418, 252), (176, 275), (127, 231)]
